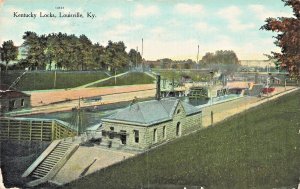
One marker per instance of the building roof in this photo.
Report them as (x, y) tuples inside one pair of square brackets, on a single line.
[(5, 93), (150, 112), (239, 84)]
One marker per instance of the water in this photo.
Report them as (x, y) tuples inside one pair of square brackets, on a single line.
[(93, 116)]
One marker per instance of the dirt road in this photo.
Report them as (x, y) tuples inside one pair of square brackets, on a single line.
[(42, 98)]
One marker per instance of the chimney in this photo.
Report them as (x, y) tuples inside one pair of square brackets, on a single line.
[(157, 96)]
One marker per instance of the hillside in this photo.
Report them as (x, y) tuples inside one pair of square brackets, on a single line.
[(131, 78), (45, 80), (256, 149)]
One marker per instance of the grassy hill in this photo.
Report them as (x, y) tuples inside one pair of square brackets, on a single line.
[(259, 148), (45, 80), (131, 78)]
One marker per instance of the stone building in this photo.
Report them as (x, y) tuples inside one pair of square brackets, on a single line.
[(143, 125), (11, 100)]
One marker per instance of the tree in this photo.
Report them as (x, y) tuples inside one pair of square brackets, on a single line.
[(288, 38), (98, 51), (87, 52), (36, 49), (135, 57), (188, 64), (9, 52), (115, 55), (220, 57)]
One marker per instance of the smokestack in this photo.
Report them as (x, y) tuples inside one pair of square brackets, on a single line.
[(157, 96)]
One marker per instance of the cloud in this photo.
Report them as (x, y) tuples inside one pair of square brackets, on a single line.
[(204, 27), (232, 14), (112, 14), (157, 30), (143, 11), (184, 8), (119, 30), (261, 12)]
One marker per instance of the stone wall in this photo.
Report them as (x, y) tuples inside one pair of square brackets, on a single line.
[(147, 138), (130, 141), (5, 103)]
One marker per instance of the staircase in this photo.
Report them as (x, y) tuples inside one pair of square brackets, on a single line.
[(51, 160)]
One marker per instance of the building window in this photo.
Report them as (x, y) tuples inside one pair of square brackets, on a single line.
[(178, 129), (136, 136), (164, 132), (123, 136), (11, 105), (155, 135), (22, 102), (178, 111), (111, 133)]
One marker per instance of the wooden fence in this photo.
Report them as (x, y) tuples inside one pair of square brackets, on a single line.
[(34, 129)]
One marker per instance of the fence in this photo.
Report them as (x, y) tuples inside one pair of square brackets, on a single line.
[(34, 129)]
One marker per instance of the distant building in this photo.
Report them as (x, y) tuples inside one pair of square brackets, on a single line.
[(11, 100), (143, 125), (153, 63), (257, 63), (22, 52)]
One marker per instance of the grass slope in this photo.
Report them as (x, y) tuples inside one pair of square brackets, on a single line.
[(128, 79), (45, 80), (256, 149)]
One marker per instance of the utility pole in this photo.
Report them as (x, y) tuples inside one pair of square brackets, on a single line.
[(198, 55), (54, 85)]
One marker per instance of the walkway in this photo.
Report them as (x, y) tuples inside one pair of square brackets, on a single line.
[(225, 110), (81, 164), (99, 81)]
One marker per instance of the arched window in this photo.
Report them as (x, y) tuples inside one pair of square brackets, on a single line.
[(178, 129)]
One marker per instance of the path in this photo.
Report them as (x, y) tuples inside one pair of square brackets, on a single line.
[(79, 162), (108, 98), (225, 110), (46, 98), (101, 80)]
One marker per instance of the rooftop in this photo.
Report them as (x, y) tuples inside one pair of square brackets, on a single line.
[(150, 112), (12, 93)]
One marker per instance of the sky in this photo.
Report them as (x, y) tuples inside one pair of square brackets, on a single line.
[(169, 28)]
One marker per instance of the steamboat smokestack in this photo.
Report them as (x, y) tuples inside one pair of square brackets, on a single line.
[(157, 96)]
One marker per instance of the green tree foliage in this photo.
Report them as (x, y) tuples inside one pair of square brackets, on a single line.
[(36, 45), (8, 52), (224, 60), (167, 63), (135, 57), (73, 53), (288, 38), (115, 56), (98, 52), (220, 57)]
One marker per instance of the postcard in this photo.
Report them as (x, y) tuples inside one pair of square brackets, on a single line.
[(149, 94)]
